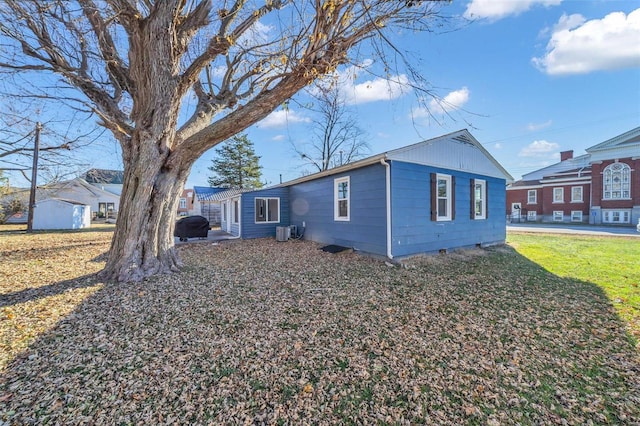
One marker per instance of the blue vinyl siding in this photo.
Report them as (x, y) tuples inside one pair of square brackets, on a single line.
[(414, 232), (251, 229), (313, 203)]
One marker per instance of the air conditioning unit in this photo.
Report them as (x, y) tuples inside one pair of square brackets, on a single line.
[(282, 233)]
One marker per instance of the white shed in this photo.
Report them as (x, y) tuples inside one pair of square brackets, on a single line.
[(57, 213)]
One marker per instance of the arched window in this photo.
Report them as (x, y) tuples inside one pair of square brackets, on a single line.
[(617, 181)]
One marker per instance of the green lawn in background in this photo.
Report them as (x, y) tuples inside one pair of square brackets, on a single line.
[(612, 263)]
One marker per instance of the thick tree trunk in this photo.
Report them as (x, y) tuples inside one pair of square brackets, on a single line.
[(143, 242)]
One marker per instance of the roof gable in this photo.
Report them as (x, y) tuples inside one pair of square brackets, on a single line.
[(455, 151), (630, 138)]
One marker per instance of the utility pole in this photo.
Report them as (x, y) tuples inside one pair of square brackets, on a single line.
[(34, 178)]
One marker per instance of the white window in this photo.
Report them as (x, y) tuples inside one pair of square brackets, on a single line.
[(480, 199), (576, 216), (267, 210), (617, 181), (532, 196), (183, 203), (342, 194), (443, 193), (558, 195), (532, 216), (236, 211), (558, 216), (616, 216), (576, 194)]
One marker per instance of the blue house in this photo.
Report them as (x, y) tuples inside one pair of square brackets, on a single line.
[(440, 194)]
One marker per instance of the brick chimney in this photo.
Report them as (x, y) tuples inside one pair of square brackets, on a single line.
[(566, 155)]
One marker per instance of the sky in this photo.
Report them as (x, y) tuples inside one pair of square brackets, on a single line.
[(528, 78)]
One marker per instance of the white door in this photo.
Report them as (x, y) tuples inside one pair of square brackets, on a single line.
[(515, 211)]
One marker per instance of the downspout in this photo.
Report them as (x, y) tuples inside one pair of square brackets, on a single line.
[(388, 199)]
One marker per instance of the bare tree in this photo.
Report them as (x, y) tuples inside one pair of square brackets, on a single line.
[(134, 64), (336, 137), (57, 150)]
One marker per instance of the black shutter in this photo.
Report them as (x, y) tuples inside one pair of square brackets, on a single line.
[(472, 198), (486, 199), (434, 197), (453, 197)]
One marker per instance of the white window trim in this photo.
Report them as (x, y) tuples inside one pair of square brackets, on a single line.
[(573, 213), (266, 201), (446, 217), (532, 215), (581, 194), (483, 183), (183, 203), (554, 195), (561, 216), (336, 200), (609, 169), (235, 211), (535, 196)]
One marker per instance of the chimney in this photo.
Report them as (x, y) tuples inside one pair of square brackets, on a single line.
[(566, 155)]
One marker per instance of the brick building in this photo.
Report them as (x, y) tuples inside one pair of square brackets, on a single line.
[(599, 187)]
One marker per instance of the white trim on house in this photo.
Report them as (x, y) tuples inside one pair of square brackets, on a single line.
[(342, 197), (264, 211), (447, 198), (482, 198)]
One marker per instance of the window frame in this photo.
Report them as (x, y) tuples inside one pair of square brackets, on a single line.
[(532, 215), (559, 190), (573, 214), (483, 199), (336, 199), (448, 184), (555, 216), (576, 200), (267, 210), (535, 196), (235, 211), (183, 203), (608, 176)]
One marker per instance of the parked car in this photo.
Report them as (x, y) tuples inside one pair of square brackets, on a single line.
[(638, 226), (191, 227)]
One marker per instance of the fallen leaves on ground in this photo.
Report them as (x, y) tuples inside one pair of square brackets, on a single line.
[(262, 332)]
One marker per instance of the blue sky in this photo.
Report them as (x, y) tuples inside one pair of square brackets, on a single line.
[(528, 79)]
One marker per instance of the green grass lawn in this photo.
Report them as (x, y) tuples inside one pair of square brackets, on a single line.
[(612, 263)]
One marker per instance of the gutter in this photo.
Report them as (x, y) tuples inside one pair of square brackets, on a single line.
[(387, 167)]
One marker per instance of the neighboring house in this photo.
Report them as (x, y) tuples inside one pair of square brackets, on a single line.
[(599, 187), (440, 194), (56, 213), (185, 207), (204, 205), (103, 203)]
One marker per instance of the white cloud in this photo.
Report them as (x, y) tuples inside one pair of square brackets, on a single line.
[(278, 138), (378, 89), (497, 145), (453, 101), (540, 148), (578, 46), (498, 9), (532, 127), (282, 118)]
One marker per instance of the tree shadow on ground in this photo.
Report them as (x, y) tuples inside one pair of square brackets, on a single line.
[(35, 293), (265, 332)]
